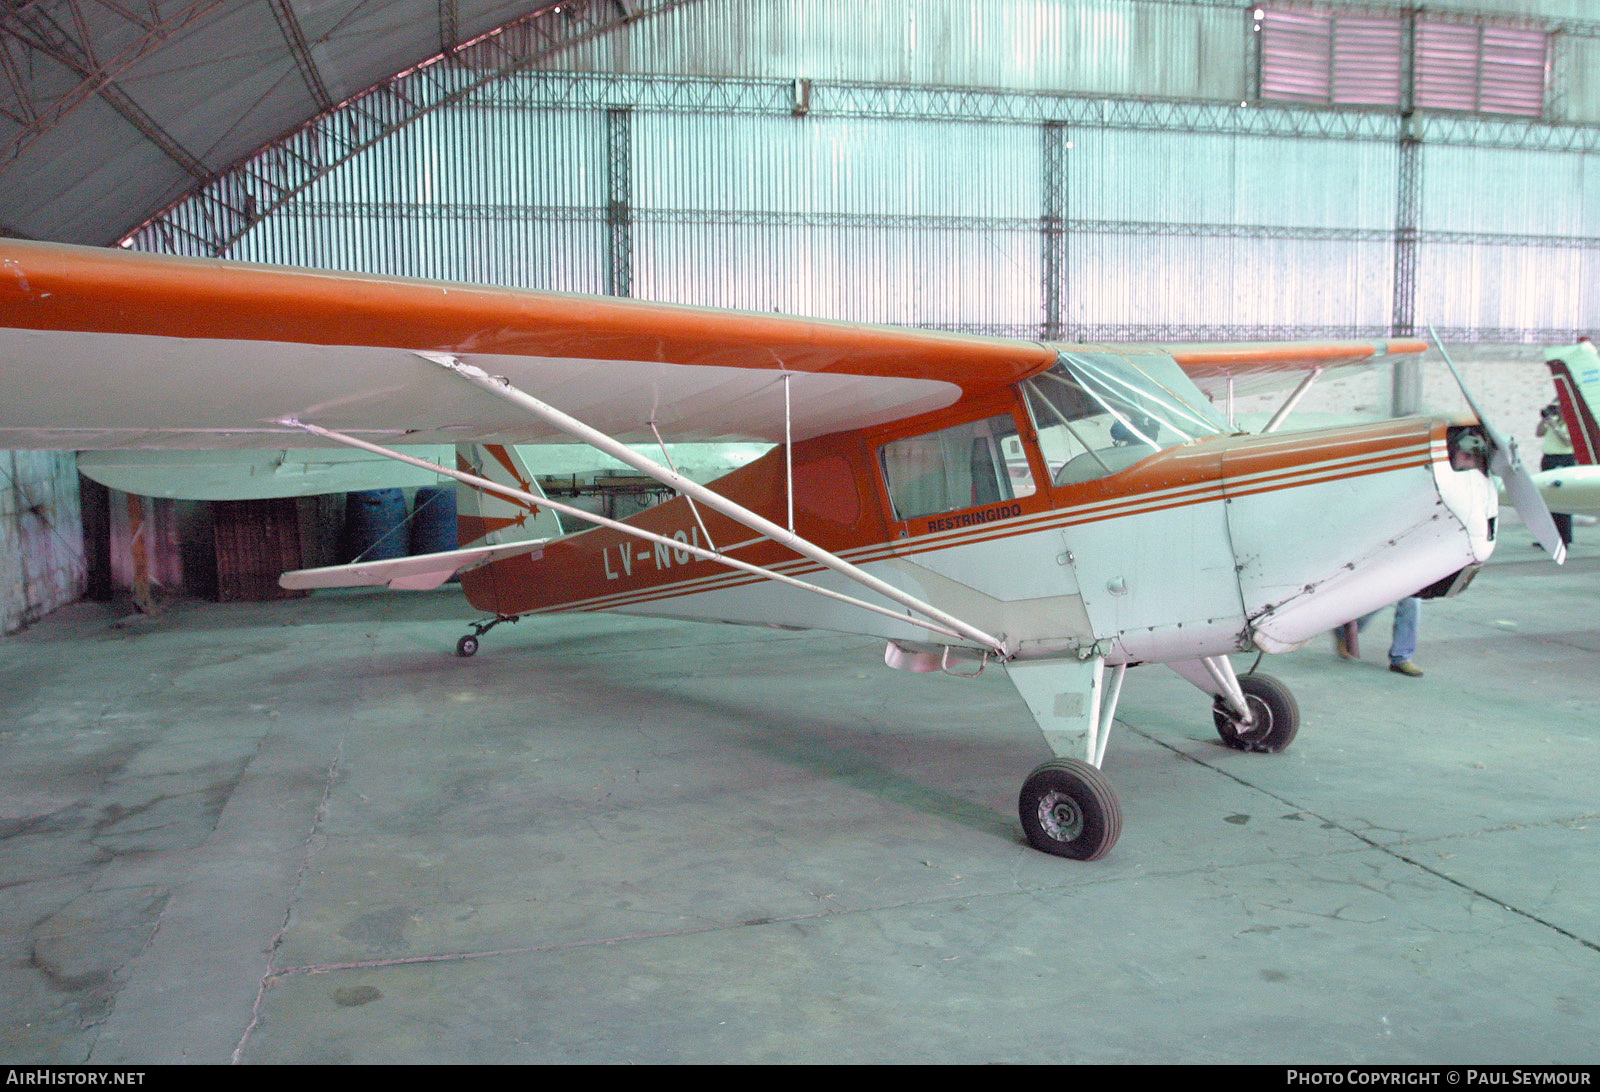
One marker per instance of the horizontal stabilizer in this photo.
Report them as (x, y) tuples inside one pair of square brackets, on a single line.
[(419, 573)]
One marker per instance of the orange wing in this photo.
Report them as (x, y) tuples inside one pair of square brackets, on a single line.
[(108, 349), (1257, 366)]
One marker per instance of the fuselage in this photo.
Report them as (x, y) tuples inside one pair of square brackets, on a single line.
[(1217, 544)]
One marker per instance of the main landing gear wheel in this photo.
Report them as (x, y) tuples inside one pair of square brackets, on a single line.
[(467, 646), (1273, 709), (1067, 809)]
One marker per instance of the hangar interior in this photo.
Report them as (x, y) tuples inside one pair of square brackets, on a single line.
[(1132, 170), (285, 831)]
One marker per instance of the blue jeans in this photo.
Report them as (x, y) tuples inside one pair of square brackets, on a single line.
[(1407, 620)]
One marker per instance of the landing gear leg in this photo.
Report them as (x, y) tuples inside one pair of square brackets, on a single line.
[(1251, 712), (468, 645), (1067, 807), (1274, 716)]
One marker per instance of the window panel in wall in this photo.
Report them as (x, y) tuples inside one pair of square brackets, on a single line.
[(1345, 59)]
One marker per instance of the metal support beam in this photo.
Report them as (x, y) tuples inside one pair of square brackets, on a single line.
[(1407, 213), (449, 26), (300, 49), (1053, 237), (1291, 402), (619, 202), (1405, 391), (280, 172), (36, 29)]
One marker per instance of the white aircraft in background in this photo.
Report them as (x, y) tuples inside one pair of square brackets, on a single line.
[(1066, 511), (1576, 372)]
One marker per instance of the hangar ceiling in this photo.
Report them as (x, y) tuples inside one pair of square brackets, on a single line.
[(112, 109)]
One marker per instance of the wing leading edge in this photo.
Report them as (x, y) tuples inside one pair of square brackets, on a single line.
[(1252, 367), (105, 349)]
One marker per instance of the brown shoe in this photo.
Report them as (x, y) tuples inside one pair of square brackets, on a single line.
[(1344, 642), (1407, 668)]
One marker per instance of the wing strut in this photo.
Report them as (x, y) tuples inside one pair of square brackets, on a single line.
[(788, 449), (500, 387), (667, 455), (1289, 404), (933, 617)]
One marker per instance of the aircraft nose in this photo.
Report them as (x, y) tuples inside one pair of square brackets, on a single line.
[(1333, 525)]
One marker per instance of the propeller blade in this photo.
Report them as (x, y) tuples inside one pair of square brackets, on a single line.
[(1525, 498), (1506, 464)]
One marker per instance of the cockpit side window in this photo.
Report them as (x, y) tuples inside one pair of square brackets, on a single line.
[(980, 462)]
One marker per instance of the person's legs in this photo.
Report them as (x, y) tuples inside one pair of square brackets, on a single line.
[(1407, 619), (1346, 641)]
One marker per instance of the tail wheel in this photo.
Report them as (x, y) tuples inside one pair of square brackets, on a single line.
[(468, 645), (1068, 809), (1274, 714)]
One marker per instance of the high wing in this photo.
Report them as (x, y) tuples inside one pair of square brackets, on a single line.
[(1253, 367), (106, 349), (253, 475)]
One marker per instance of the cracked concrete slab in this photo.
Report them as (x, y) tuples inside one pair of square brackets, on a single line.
[(307, 832)]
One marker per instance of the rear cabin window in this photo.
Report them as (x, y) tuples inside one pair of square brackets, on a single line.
[(981, 462)]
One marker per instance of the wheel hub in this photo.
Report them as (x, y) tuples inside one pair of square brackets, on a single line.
[(1259, 725), (1060, 816)]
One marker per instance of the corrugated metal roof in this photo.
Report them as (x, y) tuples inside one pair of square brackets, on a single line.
[(110, 111)]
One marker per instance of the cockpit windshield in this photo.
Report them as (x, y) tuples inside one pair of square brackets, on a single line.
[(1098, 413)]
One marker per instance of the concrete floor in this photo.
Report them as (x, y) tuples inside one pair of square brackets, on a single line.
[(307, 832)]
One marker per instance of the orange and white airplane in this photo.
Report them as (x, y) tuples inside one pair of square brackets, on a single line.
[(1067, 512)]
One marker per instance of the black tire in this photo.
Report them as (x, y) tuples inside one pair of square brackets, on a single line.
[(1277, 716), (1068, 809), (467, 646)]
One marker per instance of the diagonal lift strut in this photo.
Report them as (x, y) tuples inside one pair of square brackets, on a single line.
[(502, 388)]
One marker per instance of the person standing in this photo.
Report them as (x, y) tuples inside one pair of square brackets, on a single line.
[(1557, 456)]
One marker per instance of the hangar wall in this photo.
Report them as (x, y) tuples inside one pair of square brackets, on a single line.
[(41, 535), (1078, 169)]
